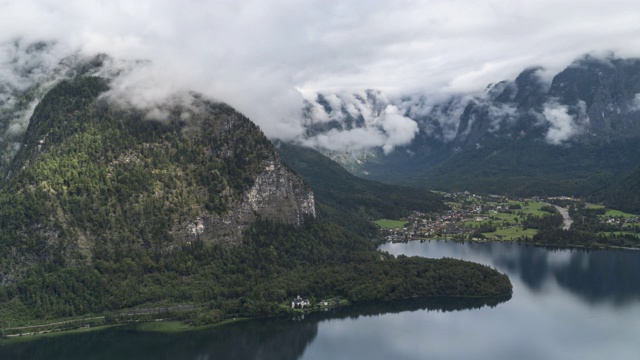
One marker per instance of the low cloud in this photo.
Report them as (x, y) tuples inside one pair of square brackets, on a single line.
[(449, 114), (347, 140), (563, 125), (400, 130), (264, 58), (386, 127), (500, 114), (635, 103), (23, 66)]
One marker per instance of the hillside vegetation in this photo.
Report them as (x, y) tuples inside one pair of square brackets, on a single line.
[(623, 194), (339, 189), (575, 135), (104, 210), (533, 168)]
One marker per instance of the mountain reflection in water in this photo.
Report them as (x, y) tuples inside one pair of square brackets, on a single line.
[(253, 339), (595, 276), (567, 304)]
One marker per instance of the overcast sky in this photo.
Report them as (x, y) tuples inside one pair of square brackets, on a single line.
[(261, 56)]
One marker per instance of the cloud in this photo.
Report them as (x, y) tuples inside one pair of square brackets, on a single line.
[(383, 125), (27, 72), (562, 124), (350, 140), (501, 113), (449, 114), (400, 129), (265, 58), (635, 103)]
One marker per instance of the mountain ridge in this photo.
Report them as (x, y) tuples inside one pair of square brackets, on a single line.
[(517, 135), (83, 160), (110, 208)]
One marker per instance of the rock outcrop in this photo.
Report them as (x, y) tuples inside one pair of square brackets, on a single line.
[(276, 195)]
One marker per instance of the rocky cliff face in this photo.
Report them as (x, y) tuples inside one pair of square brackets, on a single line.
[(521, 129), (276, 195)]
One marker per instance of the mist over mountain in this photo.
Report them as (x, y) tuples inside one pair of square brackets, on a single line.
[(94, 180), (106, 206), (573, 133), (265, 60), (534, 133)]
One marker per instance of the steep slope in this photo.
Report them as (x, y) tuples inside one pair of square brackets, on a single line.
[(25, 80), (95, 182), (575, 134), (532, 168), (106, 209), (339, 189), (623, 194)]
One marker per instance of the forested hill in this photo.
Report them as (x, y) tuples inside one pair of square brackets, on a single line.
[(106, 209), (623, 194), (336, 187), (95, 182)]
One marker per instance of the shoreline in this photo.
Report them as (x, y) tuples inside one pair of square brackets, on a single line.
[(169, 326), (559, 246)]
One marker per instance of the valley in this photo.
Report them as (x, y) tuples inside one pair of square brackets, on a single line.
[(318, 180), (105, 213), (575, 134)]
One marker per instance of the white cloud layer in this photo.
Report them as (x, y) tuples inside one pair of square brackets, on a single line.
[(262, 57), (562, 124), (384, 125)]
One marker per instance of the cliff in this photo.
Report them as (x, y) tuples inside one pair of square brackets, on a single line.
[(276, 195)]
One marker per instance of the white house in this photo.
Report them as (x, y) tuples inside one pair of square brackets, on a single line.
[(299, 303)]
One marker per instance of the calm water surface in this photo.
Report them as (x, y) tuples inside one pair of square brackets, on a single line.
[(566, 305)]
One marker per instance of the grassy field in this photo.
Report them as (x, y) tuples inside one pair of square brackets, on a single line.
[(531, 207), (617, 213), (593, 206), (16, 339), (453, 204), (390, 224), (510, 233), (620, 233), (500, 219), (507, 227)]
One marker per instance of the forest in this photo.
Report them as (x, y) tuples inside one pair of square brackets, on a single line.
[(586, 231), (89, 204)]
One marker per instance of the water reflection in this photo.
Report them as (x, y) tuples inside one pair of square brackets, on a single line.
[(260, 339), (566, 305), (396, 307), (256, 339), (595, 276)]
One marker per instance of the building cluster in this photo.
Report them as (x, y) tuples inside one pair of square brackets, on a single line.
[(450, 223), (454, 223)]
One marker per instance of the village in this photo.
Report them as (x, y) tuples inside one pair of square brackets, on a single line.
[(490, 217)]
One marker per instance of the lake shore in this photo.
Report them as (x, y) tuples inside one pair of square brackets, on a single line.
[(523, 242), (171, 326)]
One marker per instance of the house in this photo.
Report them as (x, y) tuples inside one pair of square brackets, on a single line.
[(299, 303)]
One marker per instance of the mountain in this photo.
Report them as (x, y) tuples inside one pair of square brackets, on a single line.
[(572, 135), (107, 208), (623, 193), (25, 80), (88, 173), (341, 190)]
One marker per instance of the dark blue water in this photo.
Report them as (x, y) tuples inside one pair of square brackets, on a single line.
[(566, 305)]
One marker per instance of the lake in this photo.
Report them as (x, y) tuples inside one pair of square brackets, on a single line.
[(567, 304)]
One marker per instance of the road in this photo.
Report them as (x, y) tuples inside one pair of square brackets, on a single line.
[(565, 214)]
